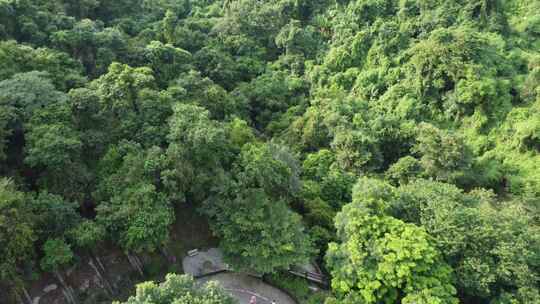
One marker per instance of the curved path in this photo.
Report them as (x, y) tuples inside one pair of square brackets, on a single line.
[(243, 287)]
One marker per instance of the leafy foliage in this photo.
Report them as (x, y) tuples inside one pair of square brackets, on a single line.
[(17, 234), (263, 115), (133, 211), (179, 289), (251, 215), (57, 254), (382, 259)]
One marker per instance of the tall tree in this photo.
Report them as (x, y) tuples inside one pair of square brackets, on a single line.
[(130, 106), (198, 152), (17, 233), (259, 232)]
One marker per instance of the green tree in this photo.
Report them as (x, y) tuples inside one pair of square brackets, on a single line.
[(5, 131), (219, 66), (382, 259), (130, 107), (179, 289), (251, 238), (93, 45), (192, 88), (169, 26), (17, 233), (297, 40), (52, 140), (81, 9), (270, 95), (27, 93), (197, 152), (247, 208), (133, 210), (166, 61), (318, 165), (491, 245), (87, 235), (53, 146), (405, 169), (64, 71), (22, 98), (119, 88), (240, 133), (57, 255), (54, 216), (262, 21), (444, 156), (137, 218)]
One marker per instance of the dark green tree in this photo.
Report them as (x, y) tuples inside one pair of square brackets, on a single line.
[(197, 152), (135, 213), (259, 232)]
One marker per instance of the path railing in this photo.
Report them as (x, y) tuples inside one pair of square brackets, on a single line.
[(310, 276)]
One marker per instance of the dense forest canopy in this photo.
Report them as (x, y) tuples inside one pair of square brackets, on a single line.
[(396, 141)]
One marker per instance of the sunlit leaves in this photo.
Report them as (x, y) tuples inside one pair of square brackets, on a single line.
[(179, 289), (382, 259)]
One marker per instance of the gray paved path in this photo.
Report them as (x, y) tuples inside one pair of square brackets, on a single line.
[(204, 262), (243, 287)]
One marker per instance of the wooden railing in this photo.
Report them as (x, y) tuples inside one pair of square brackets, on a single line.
[(311, 276)]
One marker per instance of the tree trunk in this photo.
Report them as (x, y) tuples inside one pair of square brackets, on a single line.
[(68, 292), (26, 295), (139, 262), (19, 298), (98, 260), (135, 263), (101, 277), (104, 271)]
